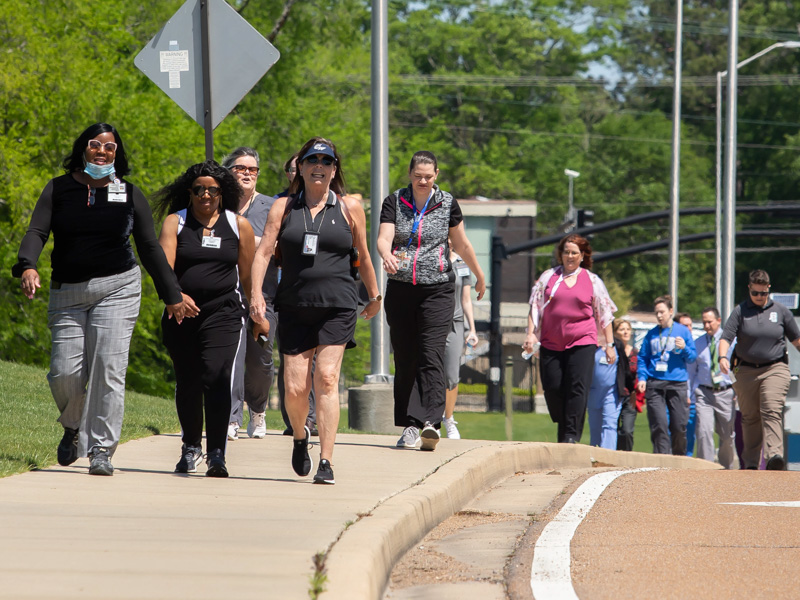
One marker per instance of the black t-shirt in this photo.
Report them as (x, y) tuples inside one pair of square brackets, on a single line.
[(323, 280), (760, 332), (91, 235)]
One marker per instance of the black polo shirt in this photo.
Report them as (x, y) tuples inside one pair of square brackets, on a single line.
[(760, 332)]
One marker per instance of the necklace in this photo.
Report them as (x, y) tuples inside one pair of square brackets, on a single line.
[(575, 272), (246, 209)]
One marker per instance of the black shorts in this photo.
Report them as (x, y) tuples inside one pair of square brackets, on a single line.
[(301, 329)]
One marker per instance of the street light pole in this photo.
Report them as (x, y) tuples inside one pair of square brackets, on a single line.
[(675, 180), (571, 211), (726, 236)]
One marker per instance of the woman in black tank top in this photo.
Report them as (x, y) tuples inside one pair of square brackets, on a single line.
[(316, 228), (211, 249)]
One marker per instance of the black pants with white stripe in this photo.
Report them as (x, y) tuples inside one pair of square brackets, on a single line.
[(203, 351), (419, 318)]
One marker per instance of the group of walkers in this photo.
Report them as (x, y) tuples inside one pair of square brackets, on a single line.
[(235, 269), (588, 363)]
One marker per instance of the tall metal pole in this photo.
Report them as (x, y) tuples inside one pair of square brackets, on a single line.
[(379, 355), (729, 184), (718, 276), (208, 123), (493, 396), (674, 193), (571, 214)]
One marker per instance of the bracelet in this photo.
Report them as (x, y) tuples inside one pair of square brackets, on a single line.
[(723, 357)]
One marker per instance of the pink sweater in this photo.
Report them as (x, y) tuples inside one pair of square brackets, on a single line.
[(569, 318)]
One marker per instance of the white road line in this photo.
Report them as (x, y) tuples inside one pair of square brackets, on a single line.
[(789, 504), (550, 571)]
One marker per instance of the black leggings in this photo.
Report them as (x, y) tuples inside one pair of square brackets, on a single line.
[(566, 379), (419, 318), (203, 351)]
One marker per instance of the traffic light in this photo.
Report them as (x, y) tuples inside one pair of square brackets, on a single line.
[(585, 218)]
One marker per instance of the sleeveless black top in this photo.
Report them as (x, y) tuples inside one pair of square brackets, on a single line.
[(323, 280), (209, 275)]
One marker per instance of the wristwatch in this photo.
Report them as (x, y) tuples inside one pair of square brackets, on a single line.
[(610, 344), (377, 298)]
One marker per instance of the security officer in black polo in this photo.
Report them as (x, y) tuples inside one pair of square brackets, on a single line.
[(761, 369)]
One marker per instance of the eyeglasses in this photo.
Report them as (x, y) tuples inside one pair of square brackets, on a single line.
[(241, 170), (200, 191), (757, 294), (97, 145), (291, 170), (326, 160), (90, 197)]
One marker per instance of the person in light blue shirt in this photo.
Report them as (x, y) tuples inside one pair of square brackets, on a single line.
[(716, 407), (665, 352)]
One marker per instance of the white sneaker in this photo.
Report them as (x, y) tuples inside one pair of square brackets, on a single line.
[(409, 439), (430, 437), (256, 428), (233, 431), (450, 427)]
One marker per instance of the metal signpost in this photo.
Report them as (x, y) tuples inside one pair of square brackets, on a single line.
[(207, 58)]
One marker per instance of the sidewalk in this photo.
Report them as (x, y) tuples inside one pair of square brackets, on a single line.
[(149, 533)]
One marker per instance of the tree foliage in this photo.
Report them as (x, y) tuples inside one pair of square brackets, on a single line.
[(507, 93)]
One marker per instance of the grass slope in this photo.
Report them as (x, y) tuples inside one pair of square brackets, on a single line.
[(29, 431)]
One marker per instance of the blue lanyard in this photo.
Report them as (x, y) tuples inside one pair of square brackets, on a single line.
[(417, 216)]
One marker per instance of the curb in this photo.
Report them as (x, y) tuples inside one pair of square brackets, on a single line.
[(360, 562)]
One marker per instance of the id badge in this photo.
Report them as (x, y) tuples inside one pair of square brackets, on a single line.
[(404, 261), (210, 241), (116, 192), (661, 366), (310, 243), (716, 379), (462, 270), (603, 360)]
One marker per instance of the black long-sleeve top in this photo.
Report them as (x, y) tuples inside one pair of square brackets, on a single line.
[(91, 235)]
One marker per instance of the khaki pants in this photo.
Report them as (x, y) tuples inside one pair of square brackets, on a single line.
[(761, 393)]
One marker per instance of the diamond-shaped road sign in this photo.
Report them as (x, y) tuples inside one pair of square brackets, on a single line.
[(238, 57)]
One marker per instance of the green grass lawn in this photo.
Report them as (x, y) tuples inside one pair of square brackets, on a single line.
[(29, 432)]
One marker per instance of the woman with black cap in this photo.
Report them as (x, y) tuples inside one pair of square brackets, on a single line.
[(317, 229)]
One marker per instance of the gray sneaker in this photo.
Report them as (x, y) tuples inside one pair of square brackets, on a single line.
[(191, 456), (409, 439), (99, 463)]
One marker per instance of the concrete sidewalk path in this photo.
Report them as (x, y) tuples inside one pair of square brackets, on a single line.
[(149, 533)]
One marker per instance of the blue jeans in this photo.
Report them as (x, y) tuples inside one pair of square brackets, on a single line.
[(605, 404), (91, 324)]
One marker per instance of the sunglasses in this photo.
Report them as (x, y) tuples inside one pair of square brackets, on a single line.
[(200, 191), (325, 160), (759, 294), (97, 145), (241, 169), (90, 197)]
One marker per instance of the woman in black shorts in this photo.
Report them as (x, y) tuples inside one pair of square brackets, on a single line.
[(316, 228)]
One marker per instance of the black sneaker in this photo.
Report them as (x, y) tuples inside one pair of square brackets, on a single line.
[(99, 462), (68, 447), (301, 461), (324, 473), (216, 464), (776, 463), (191, 456)]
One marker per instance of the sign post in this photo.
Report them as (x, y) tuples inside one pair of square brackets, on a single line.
[(206, 58)]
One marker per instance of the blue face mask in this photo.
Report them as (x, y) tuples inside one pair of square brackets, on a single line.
[(99, 171)]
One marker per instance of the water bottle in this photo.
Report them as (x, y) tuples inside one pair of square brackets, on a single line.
[(528, 355)]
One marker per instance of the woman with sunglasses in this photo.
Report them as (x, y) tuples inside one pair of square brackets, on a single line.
[(255, 366), (95, 289), (211, 249), (416, 222), (317, 227), (761, 328)]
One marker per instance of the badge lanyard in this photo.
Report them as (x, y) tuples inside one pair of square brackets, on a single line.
[(311, 237), (556, 285), (417, 217), (663, 347)]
